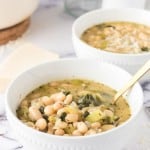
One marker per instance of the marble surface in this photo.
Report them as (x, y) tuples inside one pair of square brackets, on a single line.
[(51, 29)]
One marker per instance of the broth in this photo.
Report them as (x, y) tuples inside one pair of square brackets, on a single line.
[(73, 108), (119, 37)]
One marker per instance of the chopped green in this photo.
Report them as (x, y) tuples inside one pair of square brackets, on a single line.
[(86, 113), (66, 92), (71, 110), (45, 117), (41, 109), (94, 116), (69, 129), (102, 26), (87, 100), (52, 119), (103, 44), (23, 112), (145, 49), (77, 82), (62, 116)]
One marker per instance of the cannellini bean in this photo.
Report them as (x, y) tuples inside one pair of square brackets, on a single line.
[(71, 118), (60, 124), (107, 127), (50, 128), (34, 113), (74, 104), (58, 97), (95, 125), (66, 134), (68, 99), (49, 110), (75, 124), (81, 126), (142, 36), (24, 103), (30, 124), (91, 131), (99, 130), (37, 104), (76, 133), (59, 132), (50, 131), (47, 100), (50, 125), (57, 106), (108, 113), (54, 83), (41, 124), (60, 111), (35, 95)]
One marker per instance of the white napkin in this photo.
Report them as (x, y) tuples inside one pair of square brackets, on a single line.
[(24, 57)]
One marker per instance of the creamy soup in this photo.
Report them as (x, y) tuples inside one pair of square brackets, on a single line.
[(73, 108), (119, 37)]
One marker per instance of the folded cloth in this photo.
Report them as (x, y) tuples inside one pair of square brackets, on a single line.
[(24, 57)]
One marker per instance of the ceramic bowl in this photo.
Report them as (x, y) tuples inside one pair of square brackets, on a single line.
[(13, 12), (130, 62), (92, 69)]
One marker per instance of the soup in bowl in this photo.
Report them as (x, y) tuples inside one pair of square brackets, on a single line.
[(74, 107), (66, 104), (117, 36)]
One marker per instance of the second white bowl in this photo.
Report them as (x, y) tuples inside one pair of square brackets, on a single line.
[(130, 62)]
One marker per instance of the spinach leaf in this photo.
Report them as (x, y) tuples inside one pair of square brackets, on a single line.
[(145, 49), (62, 116), (87, 100)]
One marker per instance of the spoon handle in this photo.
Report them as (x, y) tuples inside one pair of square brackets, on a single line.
[(133, 80)]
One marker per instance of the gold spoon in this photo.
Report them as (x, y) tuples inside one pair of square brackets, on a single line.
[(133, 80)]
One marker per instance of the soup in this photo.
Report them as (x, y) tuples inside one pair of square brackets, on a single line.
[(119, 37), (73, 108)]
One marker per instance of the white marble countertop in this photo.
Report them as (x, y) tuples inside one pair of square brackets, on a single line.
[(51, 29)]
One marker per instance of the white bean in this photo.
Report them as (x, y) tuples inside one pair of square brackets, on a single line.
[(71, 118), (90, 132), (95, 125), (75, 124), (99, 130), (49, 110), (59, 132), (107, 127), (81, 126), (41, 124), (68, 99), (34, 113), (76, 133), (50, 128), (57, 106), (58, 97), (47, 100), (60, 111), (60, 124), (108, 113), (54, 83)]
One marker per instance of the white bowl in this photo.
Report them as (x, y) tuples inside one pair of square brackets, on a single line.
[(91, 69), (13, 12), (130, 62)]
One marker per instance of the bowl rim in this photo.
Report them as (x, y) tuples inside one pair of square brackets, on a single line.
[(98, 11), (9, 112)]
